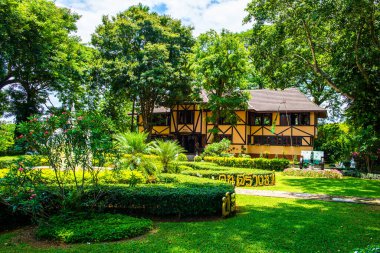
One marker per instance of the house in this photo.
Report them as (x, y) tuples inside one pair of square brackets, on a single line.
[(276, 122)]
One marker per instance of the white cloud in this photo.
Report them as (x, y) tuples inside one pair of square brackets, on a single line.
[(202, 15)]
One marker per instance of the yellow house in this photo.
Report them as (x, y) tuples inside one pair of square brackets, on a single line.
[(276, 122)]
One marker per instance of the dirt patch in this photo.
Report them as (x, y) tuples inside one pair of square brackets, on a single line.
[(27, 235)]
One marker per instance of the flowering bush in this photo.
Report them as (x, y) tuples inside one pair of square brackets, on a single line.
[(314, 173), (76, 146)]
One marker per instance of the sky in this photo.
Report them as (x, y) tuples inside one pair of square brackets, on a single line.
[(203, 15)]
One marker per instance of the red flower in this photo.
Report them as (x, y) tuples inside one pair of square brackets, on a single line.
[(64, 112), (33, 196), (20, 169), (46, 132)]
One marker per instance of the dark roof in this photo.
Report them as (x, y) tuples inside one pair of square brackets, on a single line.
[(287, 100), (265, 100)]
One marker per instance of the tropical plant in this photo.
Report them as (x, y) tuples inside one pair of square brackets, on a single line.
[(166, 151), (136, 145), (217, 148), (133, 143)]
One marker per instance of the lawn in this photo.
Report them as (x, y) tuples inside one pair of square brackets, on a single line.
[(262, 225), (348, 186)]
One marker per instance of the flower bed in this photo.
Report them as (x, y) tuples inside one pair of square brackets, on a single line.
[(314, 173)]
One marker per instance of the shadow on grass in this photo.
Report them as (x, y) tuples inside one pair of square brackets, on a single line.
[(262, 225), (337, 187)]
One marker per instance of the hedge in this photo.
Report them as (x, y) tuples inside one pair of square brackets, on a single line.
[(258, 163), (183, 200), (87, 227)]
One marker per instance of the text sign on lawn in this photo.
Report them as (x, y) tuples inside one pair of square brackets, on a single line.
[(249, 179)]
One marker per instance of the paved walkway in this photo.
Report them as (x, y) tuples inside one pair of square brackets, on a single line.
[(297, 195)]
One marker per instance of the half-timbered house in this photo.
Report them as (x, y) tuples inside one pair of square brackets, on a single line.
[(276, 122)]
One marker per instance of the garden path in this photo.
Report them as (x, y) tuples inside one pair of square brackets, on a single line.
[(299, 195)]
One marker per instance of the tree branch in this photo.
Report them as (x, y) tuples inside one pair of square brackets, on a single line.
[(315, 67), (360, 66)]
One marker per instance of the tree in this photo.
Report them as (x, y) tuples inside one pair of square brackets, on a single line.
[(36, 53), (220, 64), (167, 152), (144, 56), (310, 42)]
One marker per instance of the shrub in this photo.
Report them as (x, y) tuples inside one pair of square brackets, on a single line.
[(191, 196), (197, 158), (182, 157), (166, 152), (217, 148), (85, 227), (258, 163), (314, 173)]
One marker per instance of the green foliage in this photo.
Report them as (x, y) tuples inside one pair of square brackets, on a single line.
[(144, 58), (6, 136), (197, 158), (257, 163), (75, 145), (182, 157), (190, 197), (37, 54), (132, 143), (321, 43), (217, 148), (7, 161), (221, 66), (85, 227), (336, 141), (368, 249), (314, 173), (166, 152)]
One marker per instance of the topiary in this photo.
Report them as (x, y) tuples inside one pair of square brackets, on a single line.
[(182, 157)]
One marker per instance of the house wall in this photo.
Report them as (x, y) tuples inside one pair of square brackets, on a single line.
[(242, 135)]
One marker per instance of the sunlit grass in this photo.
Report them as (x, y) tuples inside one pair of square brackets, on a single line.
[(348, 186), (262, 225)]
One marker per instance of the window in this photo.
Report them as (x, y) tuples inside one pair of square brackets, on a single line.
[(279, 140), (185, 117), (260, 119), (305, 119), (295, 119), (161, 119)]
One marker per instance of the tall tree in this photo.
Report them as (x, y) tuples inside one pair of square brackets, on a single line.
[(310, 42), (34, 45), (221, 67), (145, 58)]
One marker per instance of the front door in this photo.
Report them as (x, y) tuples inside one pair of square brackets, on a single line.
[(189, 142)]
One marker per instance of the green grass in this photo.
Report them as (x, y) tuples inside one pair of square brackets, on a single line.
[(262, 225), (348, 186)]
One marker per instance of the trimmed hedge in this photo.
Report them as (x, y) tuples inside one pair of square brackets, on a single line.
[(258, 163), (183, 199), (214, 174), (314, 173), (86, 227)]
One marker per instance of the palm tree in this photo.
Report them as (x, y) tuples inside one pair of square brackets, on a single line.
[(136, 145), (166, 151), (133, 143)]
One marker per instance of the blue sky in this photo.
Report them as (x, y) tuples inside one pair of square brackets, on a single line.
[(203, 15)]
